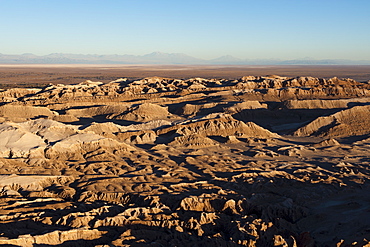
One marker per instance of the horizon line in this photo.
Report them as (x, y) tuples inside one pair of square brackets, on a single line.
[(203, 59)]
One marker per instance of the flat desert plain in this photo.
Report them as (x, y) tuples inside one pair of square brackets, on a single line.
[(76, 73), (134, 155)]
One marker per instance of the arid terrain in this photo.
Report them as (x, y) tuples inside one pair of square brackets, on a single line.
[(184, 156), (42, 74)]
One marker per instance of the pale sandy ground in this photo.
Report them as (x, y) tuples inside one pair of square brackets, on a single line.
[(254, 161)]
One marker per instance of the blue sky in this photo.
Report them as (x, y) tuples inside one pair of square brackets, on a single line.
[(260, 29)]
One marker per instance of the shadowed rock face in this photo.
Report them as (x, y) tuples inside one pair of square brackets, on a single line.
[(257, 161)]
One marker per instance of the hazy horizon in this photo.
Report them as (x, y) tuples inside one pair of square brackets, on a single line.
[(226, 56), (163, 59), (268, 29)]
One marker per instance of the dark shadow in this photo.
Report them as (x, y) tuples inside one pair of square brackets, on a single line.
[(352, 139), (145, 146), (86, 122), (28, 226), (273, 118), (167, 137), (83, 107), (219, 139), (352, 104)]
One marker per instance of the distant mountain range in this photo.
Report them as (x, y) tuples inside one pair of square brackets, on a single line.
[(162, 58)]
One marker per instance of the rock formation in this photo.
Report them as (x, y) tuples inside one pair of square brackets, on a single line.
[(255, 161)]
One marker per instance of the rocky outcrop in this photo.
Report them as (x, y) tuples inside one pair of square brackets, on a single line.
[(16, 142), (76, 146), (325, 104), (145, 112), (22, 113), (351, 122), (193, 141), (219, 125)]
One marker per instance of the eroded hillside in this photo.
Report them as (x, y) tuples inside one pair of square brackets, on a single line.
[(258, 161)]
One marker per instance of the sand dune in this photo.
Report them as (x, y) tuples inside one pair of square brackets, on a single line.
[(256, 161)]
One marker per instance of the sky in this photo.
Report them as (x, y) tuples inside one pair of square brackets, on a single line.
[(207, 29)]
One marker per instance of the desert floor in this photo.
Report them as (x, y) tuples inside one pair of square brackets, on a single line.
[(75, 73)]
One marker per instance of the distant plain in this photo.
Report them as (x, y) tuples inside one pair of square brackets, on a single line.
[(71, 73)]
